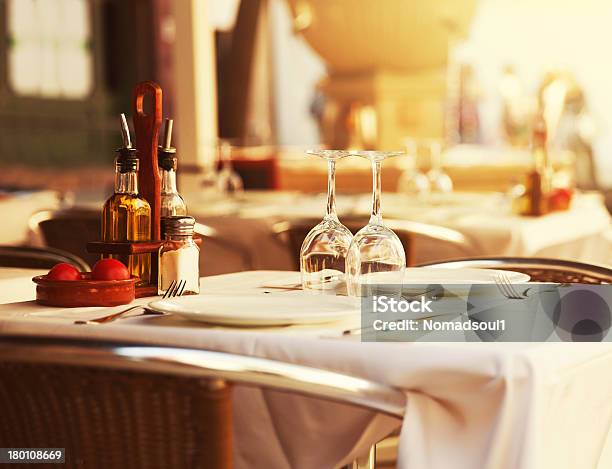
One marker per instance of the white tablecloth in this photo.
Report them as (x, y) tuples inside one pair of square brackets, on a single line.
[(470, 405), (16, 284)]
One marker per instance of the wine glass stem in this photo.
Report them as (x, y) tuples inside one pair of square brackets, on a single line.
[(376, 217), (330, 212)]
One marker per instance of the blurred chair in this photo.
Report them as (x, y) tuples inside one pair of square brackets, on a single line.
[(409, 232), (258, 174), (210, 238), (117, 405), (540, 270), (68, 230), (38, 258)]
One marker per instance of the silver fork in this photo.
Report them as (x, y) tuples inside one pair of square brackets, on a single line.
[(175, 289), (507, 289), (109, 317)]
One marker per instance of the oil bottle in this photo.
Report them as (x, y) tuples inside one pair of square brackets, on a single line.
[(126, 215), (538, 179)]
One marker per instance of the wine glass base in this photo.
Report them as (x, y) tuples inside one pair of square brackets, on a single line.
[(323, 256), (376, 256), (326, 279)]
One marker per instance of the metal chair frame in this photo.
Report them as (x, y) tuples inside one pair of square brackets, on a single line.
[(433, 232), (575, 272), (217, 368), (43, 258)]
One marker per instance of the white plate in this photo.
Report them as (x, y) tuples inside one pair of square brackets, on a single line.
[(428, 275), (260, 310), (422, 275)]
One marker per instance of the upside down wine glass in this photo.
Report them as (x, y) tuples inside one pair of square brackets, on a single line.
[(323, 252), (412, 181), (376, 254), (439, 180), (228, 180)]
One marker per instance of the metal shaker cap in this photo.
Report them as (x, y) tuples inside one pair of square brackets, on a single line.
[(179, 225)]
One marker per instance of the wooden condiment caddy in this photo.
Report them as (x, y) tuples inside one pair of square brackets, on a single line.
[(146, 127), (540, 198)]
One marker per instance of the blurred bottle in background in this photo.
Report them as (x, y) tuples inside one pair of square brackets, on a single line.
[(517, 109)]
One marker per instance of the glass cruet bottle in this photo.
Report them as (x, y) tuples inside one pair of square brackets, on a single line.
[(126, 215), (172, 204)]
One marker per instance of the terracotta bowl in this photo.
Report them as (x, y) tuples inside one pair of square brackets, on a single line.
[(86, 292)]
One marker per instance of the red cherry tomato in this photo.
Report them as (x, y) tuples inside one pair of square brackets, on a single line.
[(110, 269), (64, 271), (566, 192), (560, 199)]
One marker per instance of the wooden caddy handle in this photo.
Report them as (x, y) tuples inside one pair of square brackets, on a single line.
[(146, 127), (127, 248)]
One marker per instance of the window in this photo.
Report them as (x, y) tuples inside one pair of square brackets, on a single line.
[(49, 52)]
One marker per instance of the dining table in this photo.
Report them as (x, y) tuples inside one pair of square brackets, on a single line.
[(486, 405)]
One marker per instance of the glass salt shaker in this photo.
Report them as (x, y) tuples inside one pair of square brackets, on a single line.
[(179, 256)]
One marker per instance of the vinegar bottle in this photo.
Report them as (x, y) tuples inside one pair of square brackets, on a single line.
[(172, 204), (126, 215), (538, 180)]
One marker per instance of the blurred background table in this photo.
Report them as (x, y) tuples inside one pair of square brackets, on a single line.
[(483, 219), (471, 168), (243, 232)]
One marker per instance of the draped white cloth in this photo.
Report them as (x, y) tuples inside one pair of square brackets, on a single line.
[(470, 405)]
